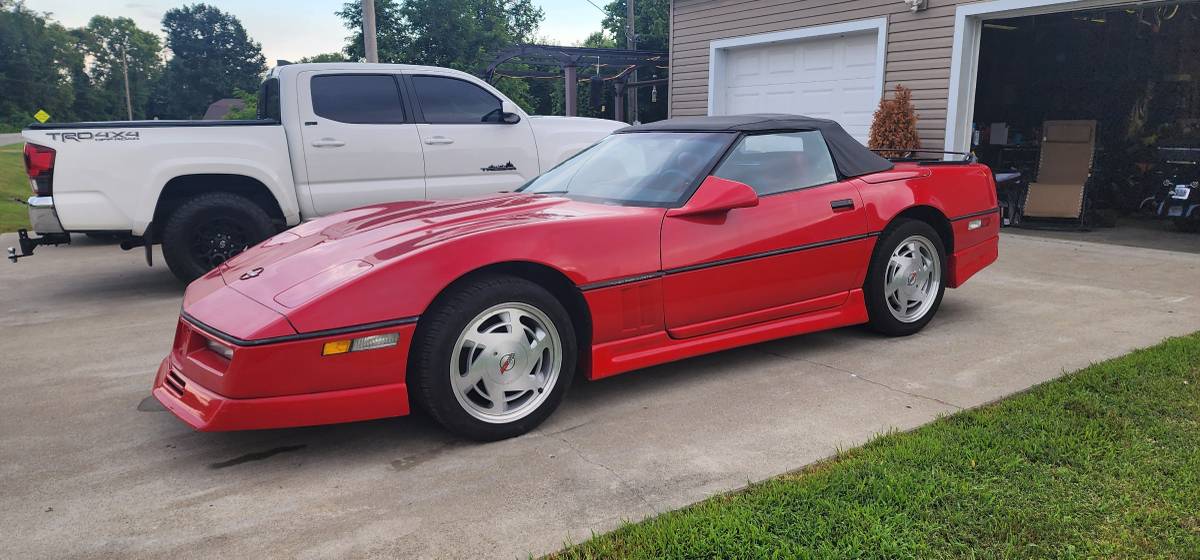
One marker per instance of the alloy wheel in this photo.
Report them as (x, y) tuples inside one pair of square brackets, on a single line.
[(505, 362), (913, 278)]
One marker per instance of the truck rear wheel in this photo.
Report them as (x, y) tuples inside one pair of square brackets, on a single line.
[(209, 229)]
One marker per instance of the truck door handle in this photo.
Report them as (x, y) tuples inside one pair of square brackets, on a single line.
[(842, 205), (328, 143), (438, 140)]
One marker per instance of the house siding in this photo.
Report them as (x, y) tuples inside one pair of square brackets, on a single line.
[(918, 46)]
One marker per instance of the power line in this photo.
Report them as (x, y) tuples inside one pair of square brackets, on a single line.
[(596, 6)]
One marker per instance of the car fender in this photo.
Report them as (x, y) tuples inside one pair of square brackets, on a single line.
[(586, 251)]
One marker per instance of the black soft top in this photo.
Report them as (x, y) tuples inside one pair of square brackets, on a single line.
[(851, 158)]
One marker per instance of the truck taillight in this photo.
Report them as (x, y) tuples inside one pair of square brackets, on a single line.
[(39, 165)]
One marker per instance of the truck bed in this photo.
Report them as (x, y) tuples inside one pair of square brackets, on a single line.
[(150, 124)]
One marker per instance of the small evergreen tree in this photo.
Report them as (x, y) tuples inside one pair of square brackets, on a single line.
[(895, 124)]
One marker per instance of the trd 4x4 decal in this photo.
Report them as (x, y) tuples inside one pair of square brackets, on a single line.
[(108, 136)]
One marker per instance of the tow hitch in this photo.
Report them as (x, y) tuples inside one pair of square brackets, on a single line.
[(28, 244)]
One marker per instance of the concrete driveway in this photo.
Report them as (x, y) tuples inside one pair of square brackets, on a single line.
[(93, 468), (6, 139)]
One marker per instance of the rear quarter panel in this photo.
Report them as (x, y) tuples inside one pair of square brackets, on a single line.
[(104, 181), (962, 193), (957, 191)]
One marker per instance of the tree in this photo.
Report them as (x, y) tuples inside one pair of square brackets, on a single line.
[(324, 57), (249, 109), (212, 57), (652, 18), (39, 67), (895, 124), (459, 34), (112, 44)]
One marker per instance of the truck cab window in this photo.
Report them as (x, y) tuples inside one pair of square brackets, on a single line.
[(453, 101), (268, 101), (773, 163), (358, 98)]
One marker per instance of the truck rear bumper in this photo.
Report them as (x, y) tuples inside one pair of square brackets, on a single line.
[(44, 220), (42, 215)]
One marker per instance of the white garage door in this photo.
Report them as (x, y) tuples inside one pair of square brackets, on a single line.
[(830, 77)]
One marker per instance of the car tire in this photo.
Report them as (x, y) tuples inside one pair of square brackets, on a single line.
[(483, 338), (903, 293), (209, 229)]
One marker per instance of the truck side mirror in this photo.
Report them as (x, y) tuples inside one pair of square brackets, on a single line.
[(509, 113)]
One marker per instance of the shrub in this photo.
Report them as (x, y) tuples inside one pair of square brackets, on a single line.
[(895, 124)]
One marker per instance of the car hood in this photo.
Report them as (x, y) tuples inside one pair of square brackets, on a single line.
[(287, 272)]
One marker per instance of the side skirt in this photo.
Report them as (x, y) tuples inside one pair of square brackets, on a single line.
[(620, 356)]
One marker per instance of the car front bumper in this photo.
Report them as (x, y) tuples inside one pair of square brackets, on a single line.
[(280, 385), (43, 218)]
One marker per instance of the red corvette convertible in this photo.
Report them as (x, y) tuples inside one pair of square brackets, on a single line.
[(662, 241)]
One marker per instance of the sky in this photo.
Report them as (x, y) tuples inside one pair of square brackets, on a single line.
[(291, 29)]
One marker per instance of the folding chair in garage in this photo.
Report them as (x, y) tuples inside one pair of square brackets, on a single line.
[(1059, 196)]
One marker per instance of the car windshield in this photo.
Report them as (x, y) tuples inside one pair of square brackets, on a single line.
[(637, 169)]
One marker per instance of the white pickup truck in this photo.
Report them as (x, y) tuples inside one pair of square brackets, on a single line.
[(328, 137)]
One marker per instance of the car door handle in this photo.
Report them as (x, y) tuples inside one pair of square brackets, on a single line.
[(328, 143), (438, 140), (842, 205)]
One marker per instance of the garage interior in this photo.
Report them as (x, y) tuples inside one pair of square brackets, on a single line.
[(1134, 71)]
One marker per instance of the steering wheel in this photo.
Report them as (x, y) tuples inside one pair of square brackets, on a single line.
[(673, 178)]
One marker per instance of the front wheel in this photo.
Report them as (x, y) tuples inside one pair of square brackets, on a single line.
[(906, 278), (493, 358)]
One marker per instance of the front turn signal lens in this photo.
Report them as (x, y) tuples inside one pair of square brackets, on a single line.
[(336, 347)]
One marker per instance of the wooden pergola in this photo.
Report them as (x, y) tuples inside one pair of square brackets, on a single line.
[(616, 65)]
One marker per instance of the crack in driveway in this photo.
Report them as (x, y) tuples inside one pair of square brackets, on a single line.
[(861, 377), (621, 480)]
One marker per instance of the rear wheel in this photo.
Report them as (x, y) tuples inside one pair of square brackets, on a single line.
[(494, 358), (210, 229), (906, 278)]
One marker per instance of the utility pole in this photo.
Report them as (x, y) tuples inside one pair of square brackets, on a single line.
[(370, 45), (125, 68), (631, 44)]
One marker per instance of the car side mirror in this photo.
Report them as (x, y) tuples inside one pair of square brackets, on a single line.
[(717, 195), (509, 113)]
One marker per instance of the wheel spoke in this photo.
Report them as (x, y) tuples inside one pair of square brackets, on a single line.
[(489, 341), (524, 382), (541, 342), (915, 294), (495, 393), (474, 373)]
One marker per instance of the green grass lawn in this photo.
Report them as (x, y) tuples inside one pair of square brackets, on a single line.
[(1103, 463), (14, 185)]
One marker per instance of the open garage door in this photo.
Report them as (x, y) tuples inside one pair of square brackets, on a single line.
[(1091, 116), (834, 75)]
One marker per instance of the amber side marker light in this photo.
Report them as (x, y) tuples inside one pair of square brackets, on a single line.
[(372, 342)]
